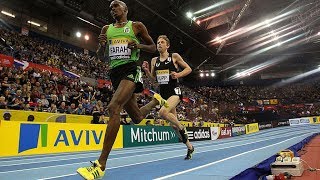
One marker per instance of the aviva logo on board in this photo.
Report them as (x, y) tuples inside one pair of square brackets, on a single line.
[(30, 134), (59, 138)]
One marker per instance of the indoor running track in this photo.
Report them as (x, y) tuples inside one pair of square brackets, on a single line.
[(220, 159)]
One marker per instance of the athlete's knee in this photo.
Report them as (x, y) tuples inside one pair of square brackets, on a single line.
[(114, 108), (163, 112)]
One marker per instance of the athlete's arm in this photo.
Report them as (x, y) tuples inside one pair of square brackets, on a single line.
[(142, 32), (150, 74), (102, 42), (186, 68), (153, 73)]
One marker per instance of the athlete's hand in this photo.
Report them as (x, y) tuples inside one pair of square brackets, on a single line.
[(133, 45), (145, 66), (174, 75), (102, 39)]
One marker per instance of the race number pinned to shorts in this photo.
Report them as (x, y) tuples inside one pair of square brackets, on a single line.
[(118, 49), (177, 90), (163, 76), (139, 75)]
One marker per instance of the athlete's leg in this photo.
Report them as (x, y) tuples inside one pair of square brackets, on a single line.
[(119, 99), (166, 113), (148, 107), (136, 114), (170, 115), (174, 111)]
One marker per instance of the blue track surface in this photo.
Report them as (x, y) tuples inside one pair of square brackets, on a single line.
[(220, 159)]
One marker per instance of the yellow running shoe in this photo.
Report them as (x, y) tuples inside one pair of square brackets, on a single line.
[(92, 172), (162, 101)]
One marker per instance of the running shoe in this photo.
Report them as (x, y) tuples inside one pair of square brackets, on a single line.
[(91, 172), (189, 154), (161, 101)]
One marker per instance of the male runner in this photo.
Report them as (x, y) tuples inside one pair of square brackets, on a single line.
[(123, 49), (164, 71)]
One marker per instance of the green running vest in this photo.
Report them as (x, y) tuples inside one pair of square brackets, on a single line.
[(117, 39)]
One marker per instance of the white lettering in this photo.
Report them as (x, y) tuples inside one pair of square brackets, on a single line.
[(141, 135), (135, 136), (201, 134)]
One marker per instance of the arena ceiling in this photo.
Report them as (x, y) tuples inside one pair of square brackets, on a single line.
[(279, 35)]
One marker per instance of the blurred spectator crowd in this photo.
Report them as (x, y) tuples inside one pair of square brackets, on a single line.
[(38, 51), (49, 92)]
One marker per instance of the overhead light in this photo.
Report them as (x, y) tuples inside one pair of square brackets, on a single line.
[(34, 23), (319, 33), (88, 22), (8, 14), (218, 39), (201, 74), (189, 14), (279, 43), (215, 5), (213, 74), (207, 74), (78, 34), (86, 37), (243, 74), (267, 22)]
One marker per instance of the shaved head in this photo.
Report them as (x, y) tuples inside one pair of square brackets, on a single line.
[(121, 3)]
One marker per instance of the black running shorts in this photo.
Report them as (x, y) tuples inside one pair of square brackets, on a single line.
[(130, 71), (167, 91)]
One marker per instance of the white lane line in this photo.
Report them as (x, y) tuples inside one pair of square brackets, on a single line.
[(85, 155), (155, 159), (114, 152), (54, 177), (221, 160)]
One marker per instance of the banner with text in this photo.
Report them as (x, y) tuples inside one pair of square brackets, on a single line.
[(214, 133), (279, 123), (148, 135), (315, 119), (252, 128), (199, 133), (265, 125), (299, 121), (238, 131), (44, 138), (225, 132)]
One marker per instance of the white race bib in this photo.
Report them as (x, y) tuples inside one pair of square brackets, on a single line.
[(118, 49), (163, 76)]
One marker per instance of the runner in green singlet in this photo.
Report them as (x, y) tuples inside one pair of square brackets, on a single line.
[(121, 42)]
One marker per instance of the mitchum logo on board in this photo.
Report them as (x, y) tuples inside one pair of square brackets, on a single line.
[(143, 135), (148, 135)]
